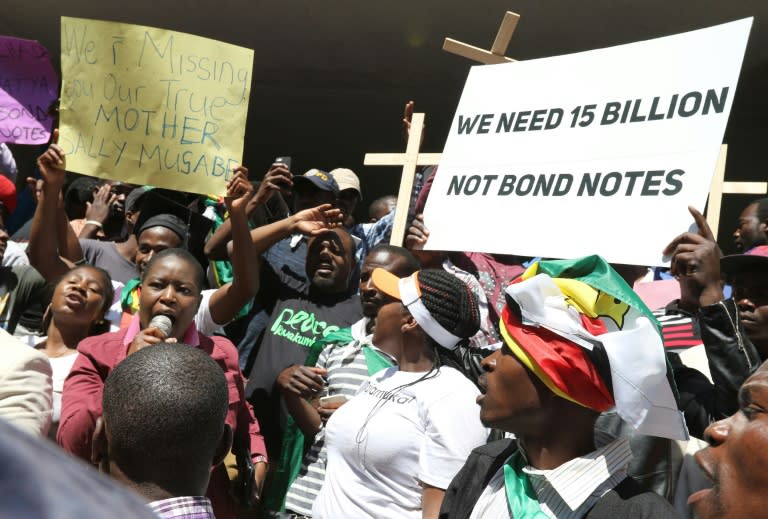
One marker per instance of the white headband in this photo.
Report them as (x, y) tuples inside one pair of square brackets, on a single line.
[(409, 296)]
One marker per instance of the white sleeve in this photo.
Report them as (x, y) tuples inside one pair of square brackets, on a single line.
[(14, 255), (452, 430), (203, 320)]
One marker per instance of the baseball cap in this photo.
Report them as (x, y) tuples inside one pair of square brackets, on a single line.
[(319, 179), (346, 179), (754, 258)]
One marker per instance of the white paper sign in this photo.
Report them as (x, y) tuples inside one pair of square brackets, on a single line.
[(599, 152)]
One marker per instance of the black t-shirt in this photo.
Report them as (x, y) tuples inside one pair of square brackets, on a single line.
[(295, 324)]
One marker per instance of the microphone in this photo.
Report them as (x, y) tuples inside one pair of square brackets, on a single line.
[(162, 323)]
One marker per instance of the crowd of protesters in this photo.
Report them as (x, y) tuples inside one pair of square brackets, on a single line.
[(263, 354)]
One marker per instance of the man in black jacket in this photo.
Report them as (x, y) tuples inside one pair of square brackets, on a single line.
[(734, 331), (573, 334)]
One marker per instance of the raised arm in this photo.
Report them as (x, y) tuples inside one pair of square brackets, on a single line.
[(43, 248), (97, 213), (278, 177), (416, 237), (730, 354), (309, 222), (695, 262), (230, 298)]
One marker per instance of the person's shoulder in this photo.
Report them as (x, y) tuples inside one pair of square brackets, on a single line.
[(388, 373), (459, 383), (100, 346), (223, 351), (28, 273), (630, 499), (16, 353), (91, 243)]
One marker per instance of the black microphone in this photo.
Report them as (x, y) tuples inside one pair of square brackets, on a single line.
[(162, 323)]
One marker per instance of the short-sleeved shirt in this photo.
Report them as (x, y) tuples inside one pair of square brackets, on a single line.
[(295, 324), (347, 370), (104, 254), (402, 428)]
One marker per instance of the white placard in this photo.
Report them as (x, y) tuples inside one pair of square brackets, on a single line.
[(598, 152)]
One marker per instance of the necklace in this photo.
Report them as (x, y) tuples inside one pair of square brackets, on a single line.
[(61, 352)]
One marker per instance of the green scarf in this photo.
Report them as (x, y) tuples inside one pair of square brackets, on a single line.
[(222, 269), (375, 361), (292, 449), (521, 497)]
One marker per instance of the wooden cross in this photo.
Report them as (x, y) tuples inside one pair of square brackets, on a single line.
[(408, 160), (498, 49), (720, 187)]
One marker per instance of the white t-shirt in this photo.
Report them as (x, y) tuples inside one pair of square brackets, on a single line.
[(60, 367), (389, 438)]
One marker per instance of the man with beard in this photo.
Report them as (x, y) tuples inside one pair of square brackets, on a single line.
[(335, 370), (736, 458), (298, 319)]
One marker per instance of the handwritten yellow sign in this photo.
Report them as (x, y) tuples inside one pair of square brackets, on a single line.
[(150, 106)]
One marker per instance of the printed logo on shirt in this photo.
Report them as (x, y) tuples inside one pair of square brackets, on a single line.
[(391, 396), (301, 327)]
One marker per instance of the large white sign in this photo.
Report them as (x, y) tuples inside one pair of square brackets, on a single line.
[(599, 152)]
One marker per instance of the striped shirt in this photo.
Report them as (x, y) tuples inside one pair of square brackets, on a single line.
[(678, 328), (347, 370), (188, 507), (567, 492)]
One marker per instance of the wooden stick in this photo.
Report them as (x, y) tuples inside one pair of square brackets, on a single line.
[(399, 159), (406, 180), (720, 187), (474, 53), (745, 188), (504, 36), (715, 200), (498, 50)]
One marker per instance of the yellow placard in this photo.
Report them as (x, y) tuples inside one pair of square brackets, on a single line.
[(151, 106)]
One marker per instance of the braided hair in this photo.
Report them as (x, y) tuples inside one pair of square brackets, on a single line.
[(453, 305), (450, 301)]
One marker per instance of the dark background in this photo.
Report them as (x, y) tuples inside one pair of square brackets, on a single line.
[(331, 77)]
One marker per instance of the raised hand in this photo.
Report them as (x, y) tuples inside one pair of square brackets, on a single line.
[(148, 337), (417, 234), (407, 118), (101, 207), (316, 220), (52, 163), (239, 190), (278, 178), (696, 265)]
